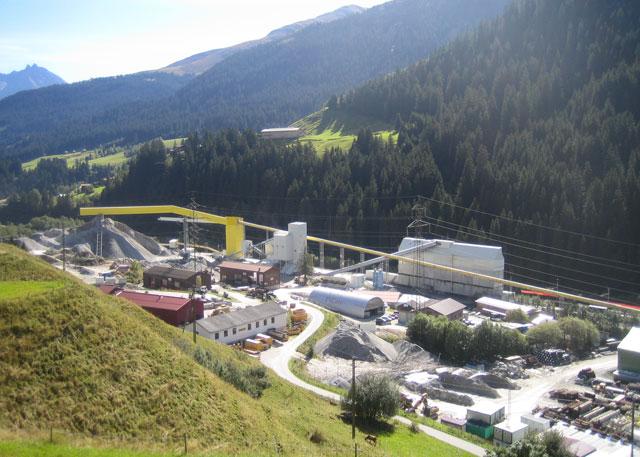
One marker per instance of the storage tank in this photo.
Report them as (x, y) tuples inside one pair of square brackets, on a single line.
[(378, 279)]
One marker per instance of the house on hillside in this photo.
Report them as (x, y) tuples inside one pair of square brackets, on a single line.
[(175, 278)]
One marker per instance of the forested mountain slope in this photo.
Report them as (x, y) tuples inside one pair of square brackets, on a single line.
[(532, 122), (57, 118), (267, 85), (274, 84), (537, 114), (32, 77), (203, 61)]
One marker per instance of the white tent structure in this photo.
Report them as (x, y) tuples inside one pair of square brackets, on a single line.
[(347, 303)]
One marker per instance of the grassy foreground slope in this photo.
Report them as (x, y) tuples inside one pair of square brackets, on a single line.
[(89, 363), (98, 367), (327, 129)]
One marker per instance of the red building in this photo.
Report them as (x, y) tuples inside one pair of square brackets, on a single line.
[(172, 310)]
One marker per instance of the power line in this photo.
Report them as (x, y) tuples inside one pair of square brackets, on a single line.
[(557, 276), (463, 228), (415, 197), (609, 240), (254, 213)]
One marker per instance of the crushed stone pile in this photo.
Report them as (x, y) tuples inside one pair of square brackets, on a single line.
[(412, 357), (463, 384), (118, 240), (495, 381), (29, 245), (448, 396), (48, 241), (349, 342)]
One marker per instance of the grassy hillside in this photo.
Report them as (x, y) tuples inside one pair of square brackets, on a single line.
[(327, 129), (71, 158), (93, 365), (118, 158)]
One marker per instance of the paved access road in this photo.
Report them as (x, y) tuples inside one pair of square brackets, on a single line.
[(278, 360)]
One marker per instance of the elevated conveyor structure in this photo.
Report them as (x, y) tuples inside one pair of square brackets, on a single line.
[(235, 235)]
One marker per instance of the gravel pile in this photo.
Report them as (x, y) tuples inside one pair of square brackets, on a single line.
[(118, 241), (412, 357), (460, 383), (350, 342), (495, 381), (30, 245), (446, 395)]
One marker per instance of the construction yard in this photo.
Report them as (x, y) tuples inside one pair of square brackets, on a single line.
[(259, 304)]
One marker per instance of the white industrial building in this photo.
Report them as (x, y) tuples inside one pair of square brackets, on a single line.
[(347, 303), (289, 247), (281, 133), (487, 260), (242, 324), (629, 357)]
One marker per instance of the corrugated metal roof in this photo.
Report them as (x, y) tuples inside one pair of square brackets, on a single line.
[(447, 307), (345, 302), (387, 296), (631, 342), (253, 267), (170, 272), (108, 288), (280, 129), (503, 305), (155, 301), (241, 317)]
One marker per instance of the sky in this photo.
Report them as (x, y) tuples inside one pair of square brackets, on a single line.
[(82, 39)]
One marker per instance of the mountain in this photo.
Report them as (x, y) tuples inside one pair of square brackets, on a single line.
[(266, 85), (32, 77), (523, 133), (203, 61)]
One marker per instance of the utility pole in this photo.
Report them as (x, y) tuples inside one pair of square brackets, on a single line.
[(353, 399), (64, 249), (633, 419), (193, 315)]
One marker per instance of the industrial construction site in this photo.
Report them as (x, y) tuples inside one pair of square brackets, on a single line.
[(264, 297)]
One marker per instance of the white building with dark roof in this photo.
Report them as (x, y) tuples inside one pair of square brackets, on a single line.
[(242, 324)]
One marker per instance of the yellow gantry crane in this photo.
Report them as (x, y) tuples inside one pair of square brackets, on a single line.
[(234, 228), (235, 235)]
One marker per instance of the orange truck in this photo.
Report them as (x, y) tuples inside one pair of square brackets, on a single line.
[(254, 345)]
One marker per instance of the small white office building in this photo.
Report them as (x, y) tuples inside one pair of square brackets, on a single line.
[(242, 324)]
